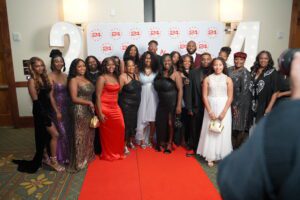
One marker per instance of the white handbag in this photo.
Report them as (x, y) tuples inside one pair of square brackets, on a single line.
[(216, 126)]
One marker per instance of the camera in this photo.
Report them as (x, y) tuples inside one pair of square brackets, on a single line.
[(285, 60)]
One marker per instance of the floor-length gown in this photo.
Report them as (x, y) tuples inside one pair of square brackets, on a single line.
[(147, 109), (41, 115), (82, 149), (63, 126), (112, 130), (167, 95), (215, 146), (129, 101)]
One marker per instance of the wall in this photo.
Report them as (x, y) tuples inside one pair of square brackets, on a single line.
[(33, 20), (274, 15)]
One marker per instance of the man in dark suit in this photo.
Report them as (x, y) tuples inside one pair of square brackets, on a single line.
[(191, 48), (267, 165), (195, 104)]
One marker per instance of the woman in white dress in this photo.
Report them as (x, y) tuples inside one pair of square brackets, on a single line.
[(149, 100), (217, 97)]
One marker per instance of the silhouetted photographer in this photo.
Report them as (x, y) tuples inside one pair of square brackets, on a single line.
[(267, 166)]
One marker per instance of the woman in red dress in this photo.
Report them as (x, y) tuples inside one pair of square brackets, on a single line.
[(112, 128)]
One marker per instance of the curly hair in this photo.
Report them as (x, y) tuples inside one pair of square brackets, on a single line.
[(127, 56), (45, 79), (181, 68), (180, 61), (161, 71), (73, 70), (154, 62), (116, 72), (227, 50), (256, 64), (211, 66), (97, 63)]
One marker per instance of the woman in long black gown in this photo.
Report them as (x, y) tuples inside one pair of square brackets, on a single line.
[(129, 100), (168, 85), (46, 133), (263, 86)]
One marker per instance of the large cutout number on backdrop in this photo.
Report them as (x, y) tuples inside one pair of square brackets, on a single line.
[(57, 33), (247, 32)]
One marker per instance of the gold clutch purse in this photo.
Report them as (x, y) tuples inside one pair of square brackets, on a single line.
[(94, 122), (216, 126)]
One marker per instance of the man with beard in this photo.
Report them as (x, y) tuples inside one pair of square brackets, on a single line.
[(191, 49), (195, 104)]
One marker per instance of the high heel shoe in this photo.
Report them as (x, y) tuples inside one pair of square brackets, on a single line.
[(126, 151), (168, 149), (132, 146), (54, 164)]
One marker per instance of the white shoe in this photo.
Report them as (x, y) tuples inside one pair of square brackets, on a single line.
[(126, 151)]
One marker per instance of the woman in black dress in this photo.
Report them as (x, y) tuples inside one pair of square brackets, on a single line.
[(187, 95), (168, 85), (263, 86), (46, 133), (129, 100)]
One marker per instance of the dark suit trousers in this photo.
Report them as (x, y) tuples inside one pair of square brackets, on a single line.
[(196, 125)]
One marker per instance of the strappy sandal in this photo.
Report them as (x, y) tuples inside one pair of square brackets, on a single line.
[(54, 165)]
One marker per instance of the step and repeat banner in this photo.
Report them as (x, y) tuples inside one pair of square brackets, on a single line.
[(107, 39)]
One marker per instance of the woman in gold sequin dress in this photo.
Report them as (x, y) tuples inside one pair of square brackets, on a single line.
[(81, 90)]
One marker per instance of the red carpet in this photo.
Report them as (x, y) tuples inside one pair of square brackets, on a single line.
[(146, 175)]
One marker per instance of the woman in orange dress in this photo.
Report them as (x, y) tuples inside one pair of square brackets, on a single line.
[(112, 128)]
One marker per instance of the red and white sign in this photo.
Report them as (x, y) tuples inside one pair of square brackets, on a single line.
[(113, 38)]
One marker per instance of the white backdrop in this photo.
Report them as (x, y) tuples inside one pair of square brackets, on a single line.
[(107, 39)]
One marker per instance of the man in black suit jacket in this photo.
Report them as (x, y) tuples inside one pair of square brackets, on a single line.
[(267, 165), (195, 104)]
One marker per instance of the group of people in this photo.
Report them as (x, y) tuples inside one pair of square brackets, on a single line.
[(150, 101)]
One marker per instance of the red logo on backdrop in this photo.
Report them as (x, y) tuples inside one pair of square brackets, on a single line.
[(135, 33), (106, 48), (174, 32), (182, 45), (96, 34), (124, 46), (162, 51), (193, 32), (116, 34), (202, 46), (212, 32), (154, 32)]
